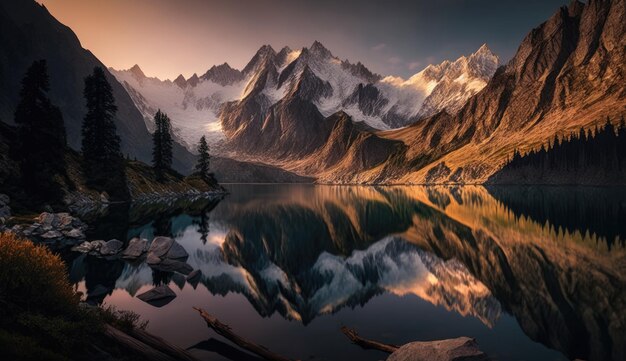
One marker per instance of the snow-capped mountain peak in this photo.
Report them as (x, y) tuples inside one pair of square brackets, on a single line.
[(314, 75)]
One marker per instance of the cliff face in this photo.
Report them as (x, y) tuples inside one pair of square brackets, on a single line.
[(568, 73)]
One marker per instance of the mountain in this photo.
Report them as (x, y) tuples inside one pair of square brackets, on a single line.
[(568, 73), (313, 74), (28, 32)]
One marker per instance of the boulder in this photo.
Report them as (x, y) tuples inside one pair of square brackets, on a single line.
[(160, 246), (456, 349), (74, 233), (152, 259), (52, 235), (95, 247), (111, 247), (46, 219), (158, 296), (4, 199), (62, 221), (84, 247), (176, 251), (136, 248)]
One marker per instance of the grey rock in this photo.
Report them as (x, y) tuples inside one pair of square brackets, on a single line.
[(62, 221), (74, 233), (84, 247), (4, 199), (158, 296), (111, 247), (46, 219), (136, 248), (95, 247), (176, 251), (160, 246), (456, 349), (52, 235), (152, 259)]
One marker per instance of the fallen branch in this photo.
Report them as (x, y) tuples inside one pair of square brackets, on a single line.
[(162, 345), (367, 344), (225, 331), (135, 345)]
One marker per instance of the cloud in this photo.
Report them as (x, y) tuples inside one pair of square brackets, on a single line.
[(379, 47), (414, 65), (394, 60)]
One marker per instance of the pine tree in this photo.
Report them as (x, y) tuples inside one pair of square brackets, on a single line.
[(41, 139), (204, 160), (103, 162), (162, 145)]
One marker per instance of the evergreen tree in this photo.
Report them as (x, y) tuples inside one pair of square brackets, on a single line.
[(162, 145), (204, 160), (103, 162), (41, 140)]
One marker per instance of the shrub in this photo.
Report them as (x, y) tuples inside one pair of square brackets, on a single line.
[(33, 279)]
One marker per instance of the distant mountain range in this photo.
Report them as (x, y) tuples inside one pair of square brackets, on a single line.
[(314, 115), (315, 75)]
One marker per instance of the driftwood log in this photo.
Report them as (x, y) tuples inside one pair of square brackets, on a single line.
[(134, 345), (368, 344), (162, 345), (147, 345), (225, 331)]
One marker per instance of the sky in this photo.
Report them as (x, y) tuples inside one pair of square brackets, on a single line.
[(391, 37)]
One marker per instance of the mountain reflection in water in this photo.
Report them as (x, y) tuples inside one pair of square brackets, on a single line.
[(309, 252)]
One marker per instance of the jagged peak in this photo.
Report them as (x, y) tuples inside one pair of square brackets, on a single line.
[(319, 49), (180, 81), (136, 70)]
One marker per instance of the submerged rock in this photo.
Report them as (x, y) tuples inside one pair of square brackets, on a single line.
[(158, 296), (456, 349)]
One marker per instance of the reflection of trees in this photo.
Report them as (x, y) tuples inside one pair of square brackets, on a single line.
[(600, 211)]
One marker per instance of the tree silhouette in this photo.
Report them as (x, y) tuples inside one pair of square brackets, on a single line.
[(204, 160), (41, 140), (103, 162), (601, 151), (162, 145)]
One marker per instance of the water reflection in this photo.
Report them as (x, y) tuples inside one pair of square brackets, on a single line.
[(308, 252)]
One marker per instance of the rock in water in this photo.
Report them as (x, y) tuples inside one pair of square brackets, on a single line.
[(176, 251), (84, 247), (160, 246), (152, 259), (456, 349), (158, 296), (136, 248), (111, 247)]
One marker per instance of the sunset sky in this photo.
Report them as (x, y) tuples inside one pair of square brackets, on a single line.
[(167, 37)]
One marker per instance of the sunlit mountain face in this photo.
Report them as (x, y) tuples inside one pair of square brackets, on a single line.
[(315, 74), (313, 254)]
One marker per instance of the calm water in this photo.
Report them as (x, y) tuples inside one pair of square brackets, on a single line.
[(531, 273)]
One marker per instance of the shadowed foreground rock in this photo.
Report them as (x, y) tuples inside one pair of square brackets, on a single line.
[(456, 349)]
